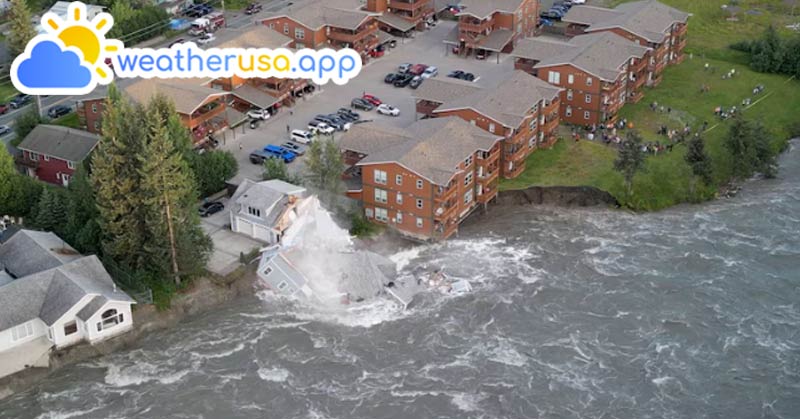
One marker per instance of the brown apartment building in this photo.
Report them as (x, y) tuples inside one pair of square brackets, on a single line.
[(318, 25), (493, 25), (402, 15), (522, 109), (648, 23), (599, 73), (424, 180)]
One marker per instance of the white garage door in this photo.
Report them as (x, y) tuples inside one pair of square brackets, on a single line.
[(245, 227), (262, 233)]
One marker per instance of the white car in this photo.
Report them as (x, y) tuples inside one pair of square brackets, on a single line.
[(321, 128), (302, 137), (261, 114), (386, 109), (206, 38), (4, 129), (429, 72)]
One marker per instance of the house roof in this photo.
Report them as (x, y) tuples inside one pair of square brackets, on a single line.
[(90, 309), (188, 94), (254, 96), (443, 90), (271, 195), (649, 19), (497, 40), (485, 8), (256, 36), (318, 14), (396, 22), (602, 54), (49, 294), (432, 148), (28, 252), (509, 102), (60, 142)]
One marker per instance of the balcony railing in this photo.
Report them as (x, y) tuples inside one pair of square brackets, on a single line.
[(410, 6), (474, 26), (200, 117), (443, 194), (352, 37), (446, 210)]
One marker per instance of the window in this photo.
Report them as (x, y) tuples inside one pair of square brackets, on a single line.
[(46, 157), (65, 179), (588, 98), (272, 26), (33, 156), (286, 28), (380, 177), (381, 196), (468, 161), (70, 328), (533, 124), (299, 45), (94, 108), (398, 179), (368, 212), (568, 111), (267, 271), (299, 33), (419, 204), (254, 211), (491, 127), (586, 114), (420, 222), (468, 197), (96, 125), (399, 198), (399, 217), (419, 183), (282, 286), (569, 94), (588, 81), (70, 164), (468, 179), (22, 331), (554, 77), (109, 319), (570, 79), (381, 214)]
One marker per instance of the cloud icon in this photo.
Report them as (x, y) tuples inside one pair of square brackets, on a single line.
[(51, 68)]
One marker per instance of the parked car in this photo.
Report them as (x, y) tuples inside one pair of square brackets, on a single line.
[(20, 100), (210, 208), (206, 38), (359, 103), (294, 148), (261, 114), (403, 82), (372, 99), (253, 8), (4, 129), (349, 114), (418, 69), (403, 68), (391, 77), (175, 42), (3, 108), (456, 74), (58, 111), (320, 127), (386, 109), (416, 82), (429, 72), (336, 123), (302, 136), (280, 152), (481, 54)]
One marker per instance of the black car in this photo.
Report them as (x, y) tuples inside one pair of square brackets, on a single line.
[(58, 111), (253, 8), (404, 81), (362, 104), (457, 74), (349, 114), (210, 208), (337, 124), (468, 77), (391, 78), (19, 100)]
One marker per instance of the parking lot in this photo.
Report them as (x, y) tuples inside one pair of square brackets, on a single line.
[(427, 48)]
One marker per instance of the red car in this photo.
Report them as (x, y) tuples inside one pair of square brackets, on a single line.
[(372, 99), (417, 69), (3, 108)]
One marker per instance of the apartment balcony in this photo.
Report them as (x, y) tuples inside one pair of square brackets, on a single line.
[(517, 155), (681, 30), (550, 125), (408, 6), (658, 67), (475, 26), (636, 97), (205, 114), (444, 194), (613, 107), (638, 83), (489, 174), (518, 169), (680, 45), (607, 87), (446, 211), (352, 37), (489, 191)]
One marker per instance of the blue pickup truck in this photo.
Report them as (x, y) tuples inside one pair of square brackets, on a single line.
[(272, 152)]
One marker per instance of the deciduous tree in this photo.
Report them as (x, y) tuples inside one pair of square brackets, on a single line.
[(21, 27), (630, 160), (699, 161)]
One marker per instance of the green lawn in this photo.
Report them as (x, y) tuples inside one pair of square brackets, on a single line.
[(69, 120), (7, 91), (666, 180)]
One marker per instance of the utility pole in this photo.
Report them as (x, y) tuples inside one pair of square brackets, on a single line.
[(223, 13), (39, 105)]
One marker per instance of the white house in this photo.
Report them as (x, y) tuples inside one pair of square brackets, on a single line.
[(264, 210), (53, 297)]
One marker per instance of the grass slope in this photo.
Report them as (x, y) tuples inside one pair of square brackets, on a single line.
[(666, 179)]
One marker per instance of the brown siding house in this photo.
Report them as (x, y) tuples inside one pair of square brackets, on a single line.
[(493, 25)]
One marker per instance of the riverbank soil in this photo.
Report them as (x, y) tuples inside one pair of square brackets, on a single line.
[(666, 181)]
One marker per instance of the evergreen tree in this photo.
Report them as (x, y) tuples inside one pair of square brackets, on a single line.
[(211, 170), (749, 146), (52, 213), (699, 161), (21, 27), (8, 175), (325, 166), (277, 169), (768, 53), (83, 229), (175, 242), (630, 160), (116, 179)]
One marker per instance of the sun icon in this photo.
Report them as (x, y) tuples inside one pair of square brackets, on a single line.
[(87, 37)]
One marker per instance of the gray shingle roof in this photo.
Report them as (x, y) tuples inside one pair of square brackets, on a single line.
[(28, 252), (90, 309), (256, 36), (268, 195), (485, 8), (188, 94), (509, 102), (443, 90), (432, 148), (396, 22), (649, 19), (317, 14), (602, 54), (60, 142)]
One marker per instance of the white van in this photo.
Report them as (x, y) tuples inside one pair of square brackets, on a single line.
[(301, 136)]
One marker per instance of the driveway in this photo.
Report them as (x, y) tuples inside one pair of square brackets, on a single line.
[(228, 246), (427, 48)]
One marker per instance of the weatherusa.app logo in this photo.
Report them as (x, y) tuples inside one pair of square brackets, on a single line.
[(69, 59)]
